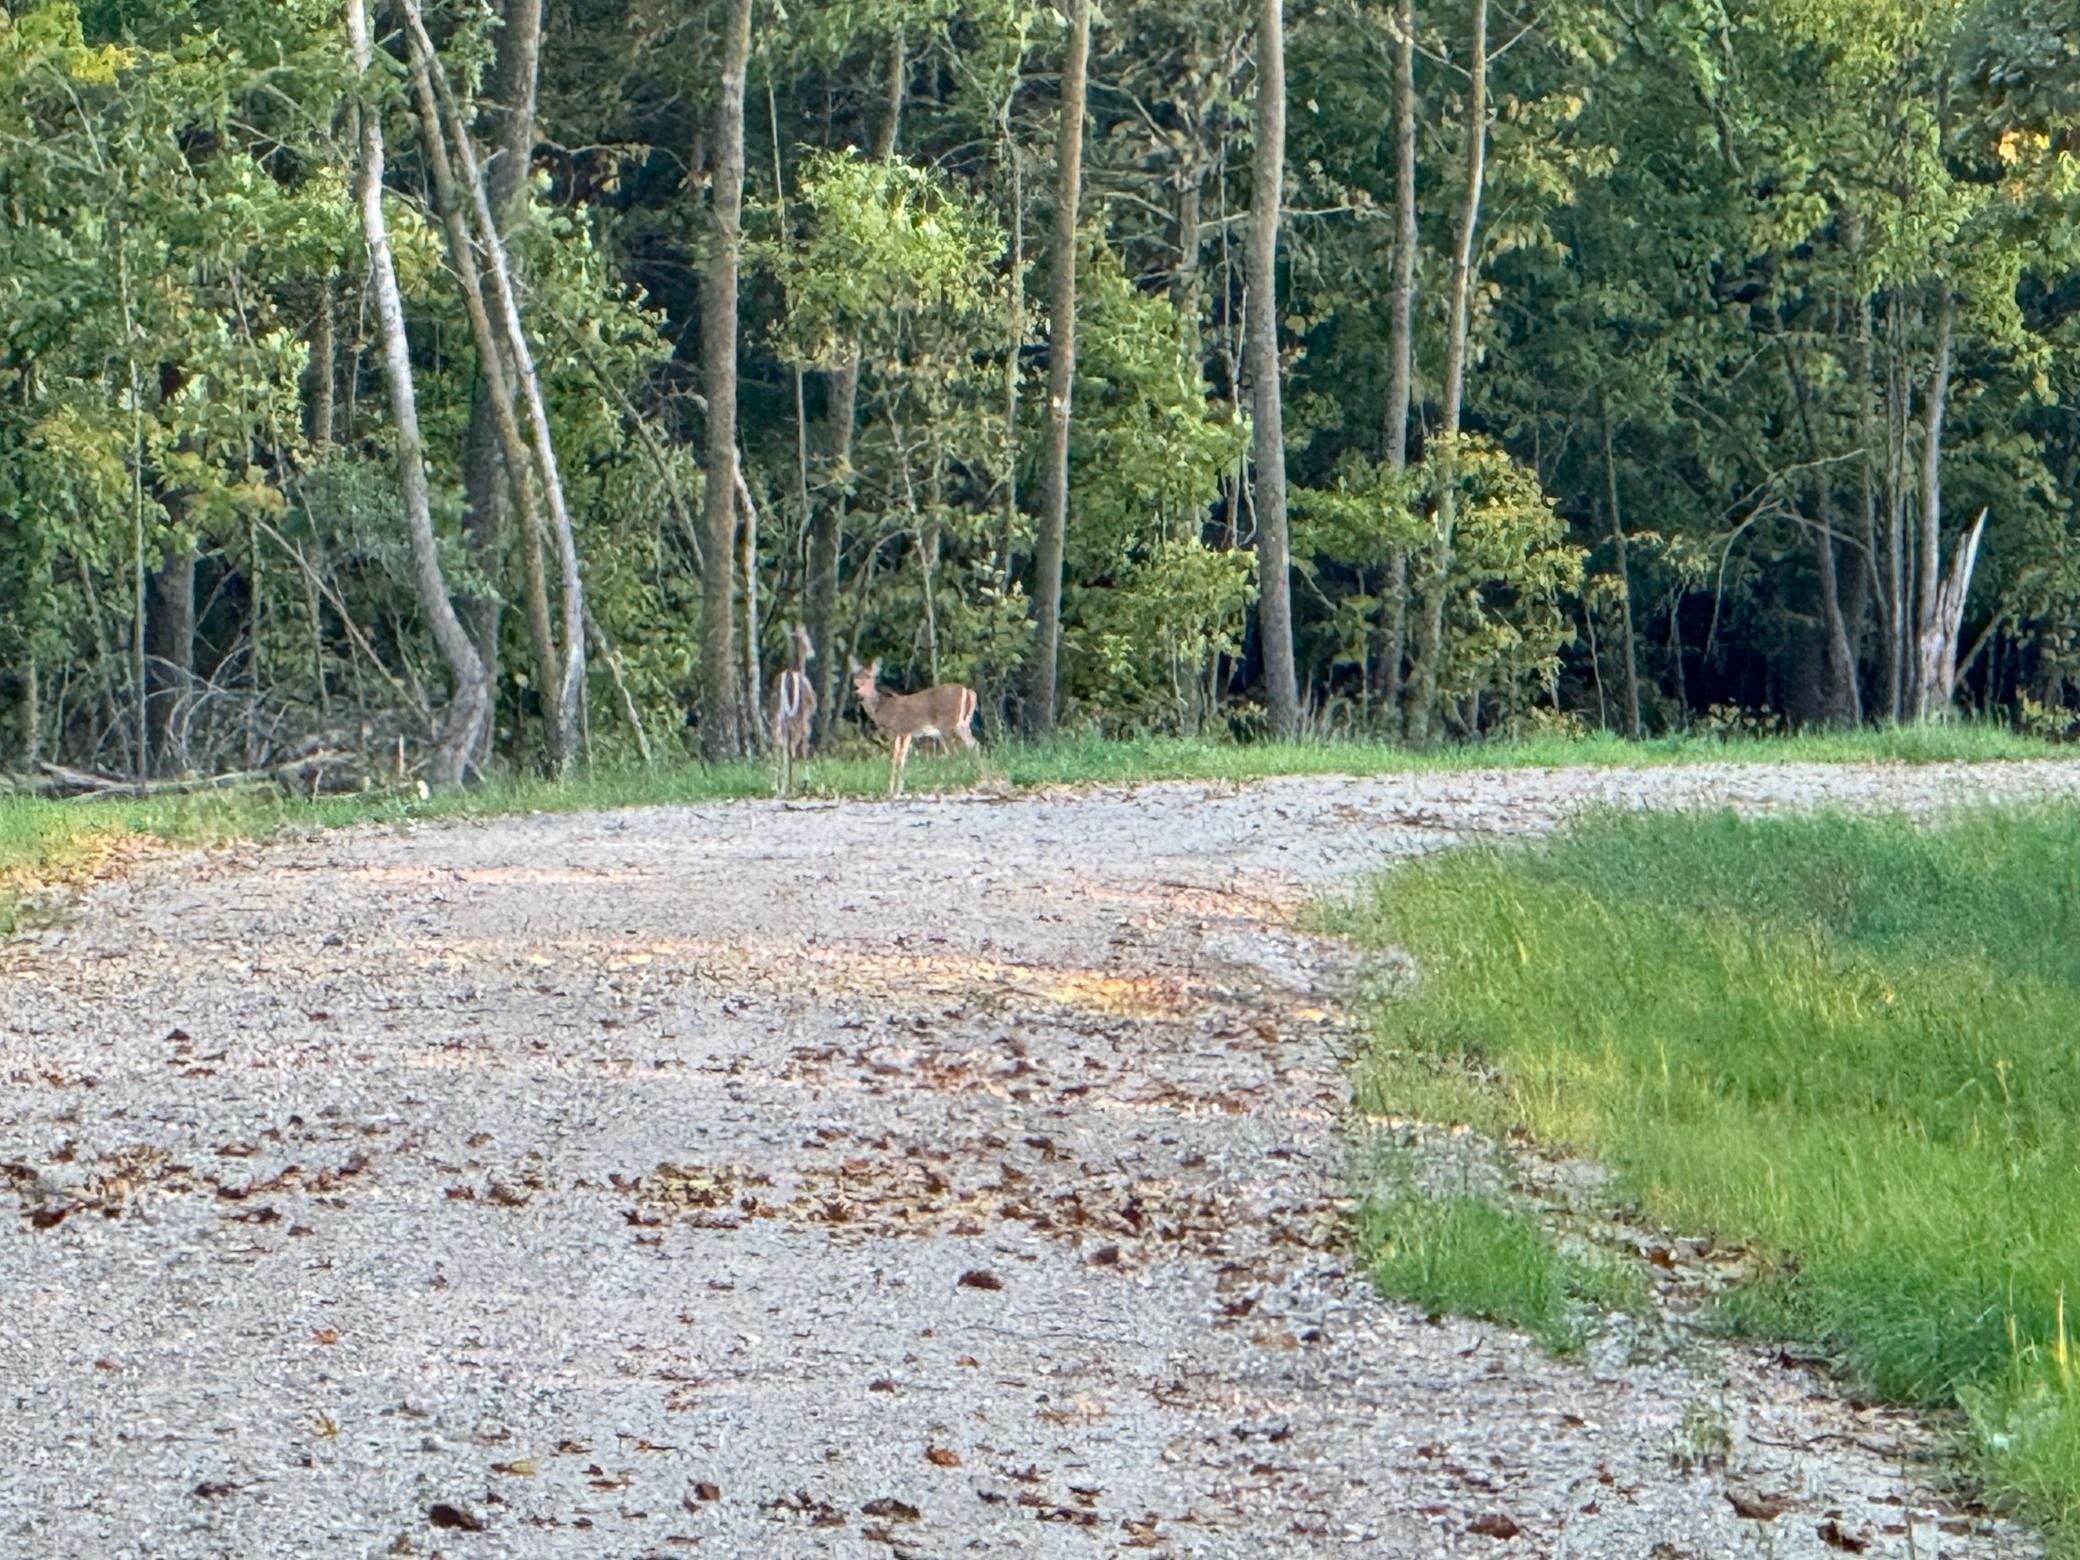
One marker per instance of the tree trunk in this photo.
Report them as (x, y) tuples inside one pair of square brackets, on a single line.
[(463, 728), (1421, 703), (1931, 677), (32, 711), (720, 734), (1274, 562), (1400, 352), (324, 354), (170, 663), (1061, 378), (506, 121), (1867, 438), (513, 478), (571, 678), (1630, 664)]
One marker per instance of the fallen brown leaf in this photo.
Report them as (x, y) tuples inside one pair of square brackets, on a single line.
[(980, 1278), (1493, 1525), (1757, 1508), (1833, 1535)]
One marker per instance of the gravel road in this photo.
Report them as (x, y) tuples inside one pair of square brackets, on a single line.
[(951, 1177)]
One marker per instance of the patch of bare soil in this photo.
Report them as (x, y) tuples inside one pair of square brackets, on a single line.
[(949, 1177)]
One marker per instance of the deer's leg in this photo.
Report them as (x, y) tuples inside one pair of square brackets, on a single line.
[(897, 758)]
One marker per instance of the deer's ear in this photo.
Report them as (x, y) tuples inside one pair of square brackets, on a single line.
[(852, 665), (874, 667)]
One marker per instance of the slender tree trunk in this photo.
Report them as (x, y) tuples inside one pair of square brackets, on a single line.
[(1401, 308), (1421, 703), (1845, 698), (464, 726), (1931, 687), (1007, 526), (170, 652), (1630, 664), (720, 736), (1867, 469), (1061, 378), (321, 374), (1898, 668), (1400, 353), (1274, 561), (32, 711), (506, 121), (515, 475), (498, 266), (827, 529)]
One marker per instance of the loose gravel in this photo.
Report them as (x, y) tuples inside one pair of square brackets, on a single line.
[(959, 1176)]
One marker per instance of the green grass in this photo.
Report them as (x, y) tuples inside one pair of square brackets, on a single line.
[(1852, 1044), (1463, 1256), (44, 840)]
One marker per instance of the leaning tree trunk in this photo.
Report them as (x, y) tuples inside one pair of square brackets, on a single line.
[(1274, 561), (571, 674), (1061, 378), (459, 742), (507, 121), (720, 734), (494, 355), (1421, 703)]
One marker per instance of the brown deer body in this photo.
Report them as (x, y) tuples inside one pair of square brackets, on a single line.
[(942, 711), (793, 710)]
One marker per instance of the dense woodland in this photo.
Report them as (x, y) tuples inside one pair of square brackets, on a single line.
[(496, 382)]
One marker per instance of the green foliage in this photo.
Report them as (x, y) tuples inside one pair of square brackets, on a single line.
[(1845, 1042)]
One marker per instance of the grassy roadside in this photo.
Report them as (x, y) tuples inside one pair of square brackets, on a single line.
[(44, 842), (1848, 1043)]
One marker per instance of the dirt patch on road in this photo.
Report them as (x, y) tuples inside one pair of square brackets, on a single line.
[(935, 1178)]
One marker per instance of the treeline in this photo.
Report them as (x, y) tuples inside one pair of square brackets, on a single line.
[(495, 381)]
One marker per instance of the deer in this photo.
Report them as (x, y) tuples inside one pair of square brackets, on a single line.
[(793, 708), (941, 711)]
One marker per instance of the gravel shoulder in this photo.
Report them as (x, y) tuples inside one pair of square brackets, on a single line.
[(956, 1176)]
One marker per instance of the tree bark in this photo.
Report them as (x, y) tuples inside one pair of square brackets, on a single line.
[(1041, 689), (721, 736), (1400, 353), (324, 353), (1931, 686), (514, 475), (1619, 547), (463, 728), (1274, 561), (570, 692), (170, 658), (1421, 703), (507, 121)]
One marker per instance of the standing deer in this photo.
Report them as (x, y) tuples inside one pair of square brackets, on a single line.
[(794, 707), (943, 711)]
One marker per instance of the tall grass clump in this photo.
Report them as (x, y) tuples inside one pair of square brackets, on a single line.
[(1853, 1044)]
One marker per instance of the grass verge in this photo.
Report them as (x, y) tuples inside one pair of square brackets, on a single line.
[(1849, 1043), (44, 842)]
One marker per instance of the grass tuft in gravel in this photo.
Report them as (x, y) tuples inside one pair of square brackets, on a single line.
[(1462, 1255), (1847, 1042)]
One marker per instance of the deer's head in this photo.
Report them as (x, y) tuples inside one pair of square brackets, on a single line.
[(864, 679)]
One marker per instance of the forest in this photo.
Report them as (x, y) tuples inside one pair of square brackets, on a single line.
[(499, 382)]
